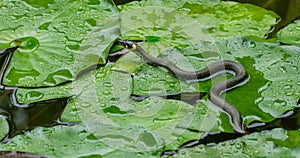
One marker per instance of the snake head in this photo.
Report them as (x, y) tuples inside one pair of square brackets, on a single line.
[(128, 44)]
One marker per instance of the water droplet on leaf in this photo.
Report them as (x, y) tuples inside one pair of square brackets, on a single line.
[(26, 44), (106, 92)]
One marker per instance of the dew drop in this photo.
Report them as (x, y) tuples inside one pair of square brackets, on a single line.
[(146, 101), (44, 26), (103, 105), (282, 69), (124, 88), (294, 67), (107, 84), (183, 153), (91, 22), (85, 105), (100, 75), (279, 103), (92, 111), (42, 4), (34, 95), (26, 44), (232, 143), (238, 146), (286, 87), (252, 44), (106, 92)]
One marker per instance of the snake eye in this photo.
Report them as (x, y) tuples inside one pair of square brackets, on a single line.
[(127, 44)]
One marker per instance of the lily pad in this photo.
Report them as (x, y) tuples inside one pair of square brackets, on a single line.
[(275, 143), (290, 34), (57, 39), (218, 19), (63, 141), (265, 62), (106, 96), (113, 125), (105, 105)]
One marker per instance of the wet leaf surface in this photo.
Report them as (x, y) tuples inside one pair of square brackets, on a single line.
[(103, 99), (110, 123), (47, 39), (290, 34), (265, 144)]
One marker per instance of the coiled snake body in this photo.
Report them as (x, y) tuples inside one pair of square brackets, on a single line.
[(216, 91)]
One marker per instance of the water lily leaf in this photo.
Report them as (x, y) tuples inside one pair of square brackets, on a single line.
[(63, 141), (113, 125), (115, 103), (228, 19), (57, 39), (159, 23), (218, 19), (195, 24), (290, 34), (105, 105), (267, 144), (103, 102)]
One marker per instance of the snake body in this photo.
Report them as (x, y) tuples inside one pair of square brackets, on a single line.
[(211, 70)]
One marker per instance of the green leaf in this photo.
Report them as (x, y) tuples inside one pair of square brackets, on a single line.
[(265, 144), (113, 125), (104, 94), (228, 19), (290, 34), (3, 126), (57, 39), (105, 108), (195, 26), (103, 105), (217, 19), (68, 142)]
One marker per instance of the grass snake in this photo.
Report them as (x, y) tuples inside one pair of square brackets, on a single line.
[(211, 70)]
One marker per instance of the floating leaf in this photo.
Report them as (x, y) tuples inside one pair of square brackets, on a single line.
[(63, 141), (113, 125), (57, 39), (275, 143), (290, 34), (217, 19)]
